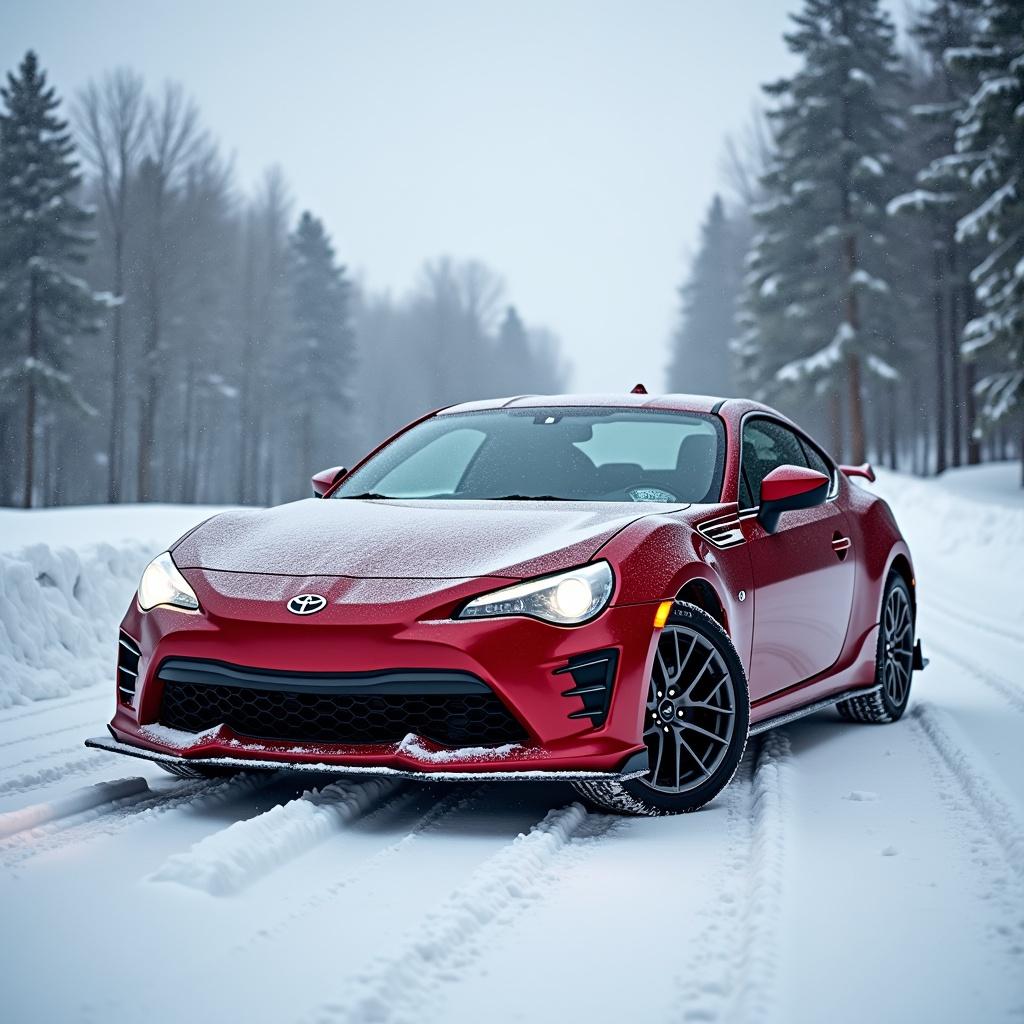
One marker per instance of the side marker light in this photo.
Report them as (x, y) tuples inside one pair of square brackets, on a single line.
[(662, 614)]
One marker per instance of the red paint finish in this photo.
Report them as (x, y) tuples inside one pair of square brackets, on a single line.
[(394, 573), (789, 481)]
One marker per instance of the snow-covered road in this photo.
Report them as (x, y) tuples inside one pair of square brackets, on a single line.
[(850, 873)]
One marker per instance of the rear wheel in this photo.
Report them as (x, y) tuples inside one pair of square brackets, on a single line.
[(894, 660), (696, 717)]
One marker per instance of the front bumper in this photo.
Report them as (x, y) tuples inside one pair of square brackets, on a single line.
[(407, 626)]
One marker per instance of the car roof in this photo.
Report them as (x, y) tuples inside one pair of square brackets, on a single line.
[(628, 400)]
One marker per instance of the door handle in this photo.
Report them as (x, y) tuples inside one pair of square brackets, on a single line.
[(841, 545)]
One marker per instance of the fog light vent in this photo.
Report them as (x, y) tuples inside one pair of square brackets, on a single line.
[(593, 675), (128, 655)]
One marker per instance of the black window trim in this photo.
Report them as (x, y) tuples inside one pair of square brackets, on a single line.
[(802, 438)]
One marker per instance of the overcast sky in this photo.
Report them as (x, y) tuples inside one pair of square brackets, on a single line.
[(572, 146)]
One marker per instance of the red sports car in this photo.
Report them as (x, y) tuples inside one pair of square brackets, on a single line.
[(611, 590)]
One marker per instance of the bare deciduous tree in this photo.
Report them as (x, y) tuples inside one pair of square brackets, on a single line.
[(110, 119)]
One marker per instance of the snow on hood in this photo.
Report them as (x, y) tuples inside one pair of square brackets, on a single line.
[(408, 539)]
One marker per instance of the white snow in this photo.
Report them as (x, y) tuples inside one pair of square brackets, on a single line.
[(837, 852)]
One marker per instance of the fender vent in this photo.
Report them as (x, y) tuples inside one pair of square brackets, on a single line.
[(128, 655), (723, 532), (593, 675)]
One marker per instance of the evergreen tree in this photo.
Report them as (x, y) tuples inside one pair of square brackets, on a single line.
[(322, 353), (701, 360), (43, 307), (931, 209), (819, 304), (990, 146), (514, 354)]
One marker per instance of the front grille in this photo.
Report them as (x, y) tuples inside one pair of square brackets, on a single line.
[(128, 655), (337, 709)]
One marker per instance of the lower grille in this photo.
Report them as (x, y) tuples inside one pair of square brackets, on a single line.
[(338, 712)]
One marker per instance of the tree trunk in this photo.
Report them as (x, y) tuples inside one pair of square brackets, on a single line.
[(970, 381), (894, 460), (835, 418), (955, 362), (940, 366), (147, 413), (117, 404), (30, 394)]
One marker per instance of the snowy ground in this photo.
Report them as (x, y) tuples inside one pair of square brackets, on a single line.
[(850, 873)]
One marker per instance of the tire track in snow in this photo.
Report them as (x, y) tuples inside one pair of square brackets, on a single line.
[(985, 822), (1008, 690), (736, 977), (111, 818), (83, 765), (228, 861), (995, 627), (85, 799), (54, 705), (457, 801), (402, 988), (992, 804), (83, 726)]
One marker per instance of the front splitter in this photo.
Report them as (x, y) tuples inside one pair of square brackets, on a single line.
[(426, 774)]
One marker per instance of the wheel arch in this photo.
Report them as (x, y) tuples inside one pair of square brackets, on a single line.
[(701, 592), (900, 563)]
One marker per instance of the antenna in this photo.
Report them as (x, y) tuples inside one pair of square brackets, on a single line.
[(639, 390)]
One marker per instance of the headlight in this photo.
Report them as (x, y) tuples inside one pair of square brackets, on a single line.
[(566, 599), (163, 584)]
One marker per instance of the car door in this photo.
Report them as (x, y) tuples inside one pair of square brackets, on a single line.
[(803, 575)]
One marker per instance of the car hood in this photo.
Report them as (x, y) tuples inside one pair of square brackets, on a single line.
[(408, 539)]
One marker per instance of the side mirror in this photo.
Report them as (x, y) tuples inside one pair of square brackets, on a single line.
[(787, 488), (326, 479)]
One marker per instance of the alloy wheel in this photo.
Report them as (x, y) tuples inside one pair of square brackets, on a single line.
[(691, 711), (898, 646)]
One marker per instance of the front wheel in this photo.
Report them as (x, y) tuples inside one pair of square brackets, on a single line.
[(696, 718)]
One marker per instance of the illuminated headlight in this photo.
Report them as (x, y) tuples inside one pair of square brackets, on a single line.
[(566, 599), (163, 584)]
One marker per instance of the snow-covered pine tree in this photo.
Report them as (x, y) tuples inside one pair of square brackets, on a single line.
[(819, 307), (928, 213), (990, 145), (701, 360), (323, 349), (44, 308)]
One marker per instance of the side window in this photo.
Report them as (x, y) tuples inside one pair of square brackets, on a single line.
[(815, 459), (766, 445)]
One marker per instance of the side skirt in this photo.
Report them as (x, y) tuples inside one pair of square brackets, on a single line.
[(809, 709)]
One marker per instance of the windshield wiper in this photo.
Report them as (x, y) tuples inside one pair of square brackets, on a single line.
[(529, 497), (368, 495)]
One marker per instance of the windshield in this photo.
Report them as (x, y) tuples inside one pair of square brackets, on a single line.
[(568, 454)]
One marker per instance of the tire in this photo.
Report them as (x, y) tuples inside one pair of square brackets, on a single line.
[(894, 660), (197, 771), (697, 713)]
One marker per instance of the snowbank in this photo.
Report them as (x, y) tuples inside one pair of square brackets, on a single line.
[(966, 534), (59, 611), (66, 577), (84, 526)]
